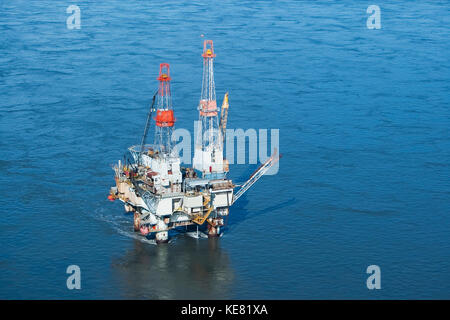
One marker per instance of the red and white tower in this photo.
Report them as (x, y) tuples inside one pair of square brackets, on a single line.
[(208, 154), (164, 119)]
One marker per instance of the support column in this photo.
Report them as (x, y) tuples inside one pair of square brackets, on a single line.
[(162, 237), (214, 227), (136, 221)]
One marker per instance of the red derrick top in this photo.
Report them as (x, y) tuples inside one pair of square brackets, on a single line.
[(208, 52), (164, 72)]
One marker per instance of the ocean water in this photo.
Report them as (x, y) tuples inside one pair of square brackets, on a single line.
[(364, 132)]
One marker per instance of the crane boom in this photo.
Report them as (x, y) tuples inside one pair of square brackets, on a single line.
[(147, 124), (224, 116), (256, 175)]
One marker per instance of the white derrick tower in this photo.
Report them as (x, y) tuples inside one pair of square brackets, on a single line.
[(208, 153)]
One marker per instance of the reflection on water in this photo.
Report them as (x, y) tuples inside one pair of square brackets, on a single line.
[(185, 269)]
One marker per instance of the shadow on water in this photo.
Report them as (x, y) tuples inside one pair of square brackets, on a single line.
[(185, 269), (239, 213)]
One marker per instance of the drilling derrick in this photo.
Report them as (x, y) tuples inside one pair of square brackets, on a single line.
[(164, 113), (208, 154)]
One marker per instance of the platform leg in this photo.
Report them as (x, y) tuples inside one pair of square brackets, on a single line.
[(162, 237), (214, 227), (136, 221)]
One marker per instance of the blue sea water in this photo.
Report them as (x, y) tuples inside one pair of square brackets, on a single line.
[(364, 132)]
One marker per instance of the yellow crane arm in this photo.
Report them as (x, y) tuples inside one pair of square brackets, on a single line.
[(224, 116)]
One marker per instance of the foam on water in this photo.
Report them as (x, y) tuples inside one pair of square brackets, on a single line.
[(197, 235), (121, 224)]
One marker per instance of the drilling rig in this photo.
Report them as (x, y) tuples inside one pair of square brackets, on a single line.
[(151, 182), (208, 153)]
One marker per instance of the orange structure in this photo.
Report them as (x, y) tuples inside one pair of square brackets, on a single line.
[(165, 119)]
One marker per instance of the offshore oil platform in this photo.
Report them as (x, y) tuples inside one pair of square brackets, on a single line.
[(161, 193)]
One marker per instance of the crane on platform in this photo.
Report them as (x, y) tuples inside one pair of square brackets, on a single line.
[(147, 124), (257, 175)]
